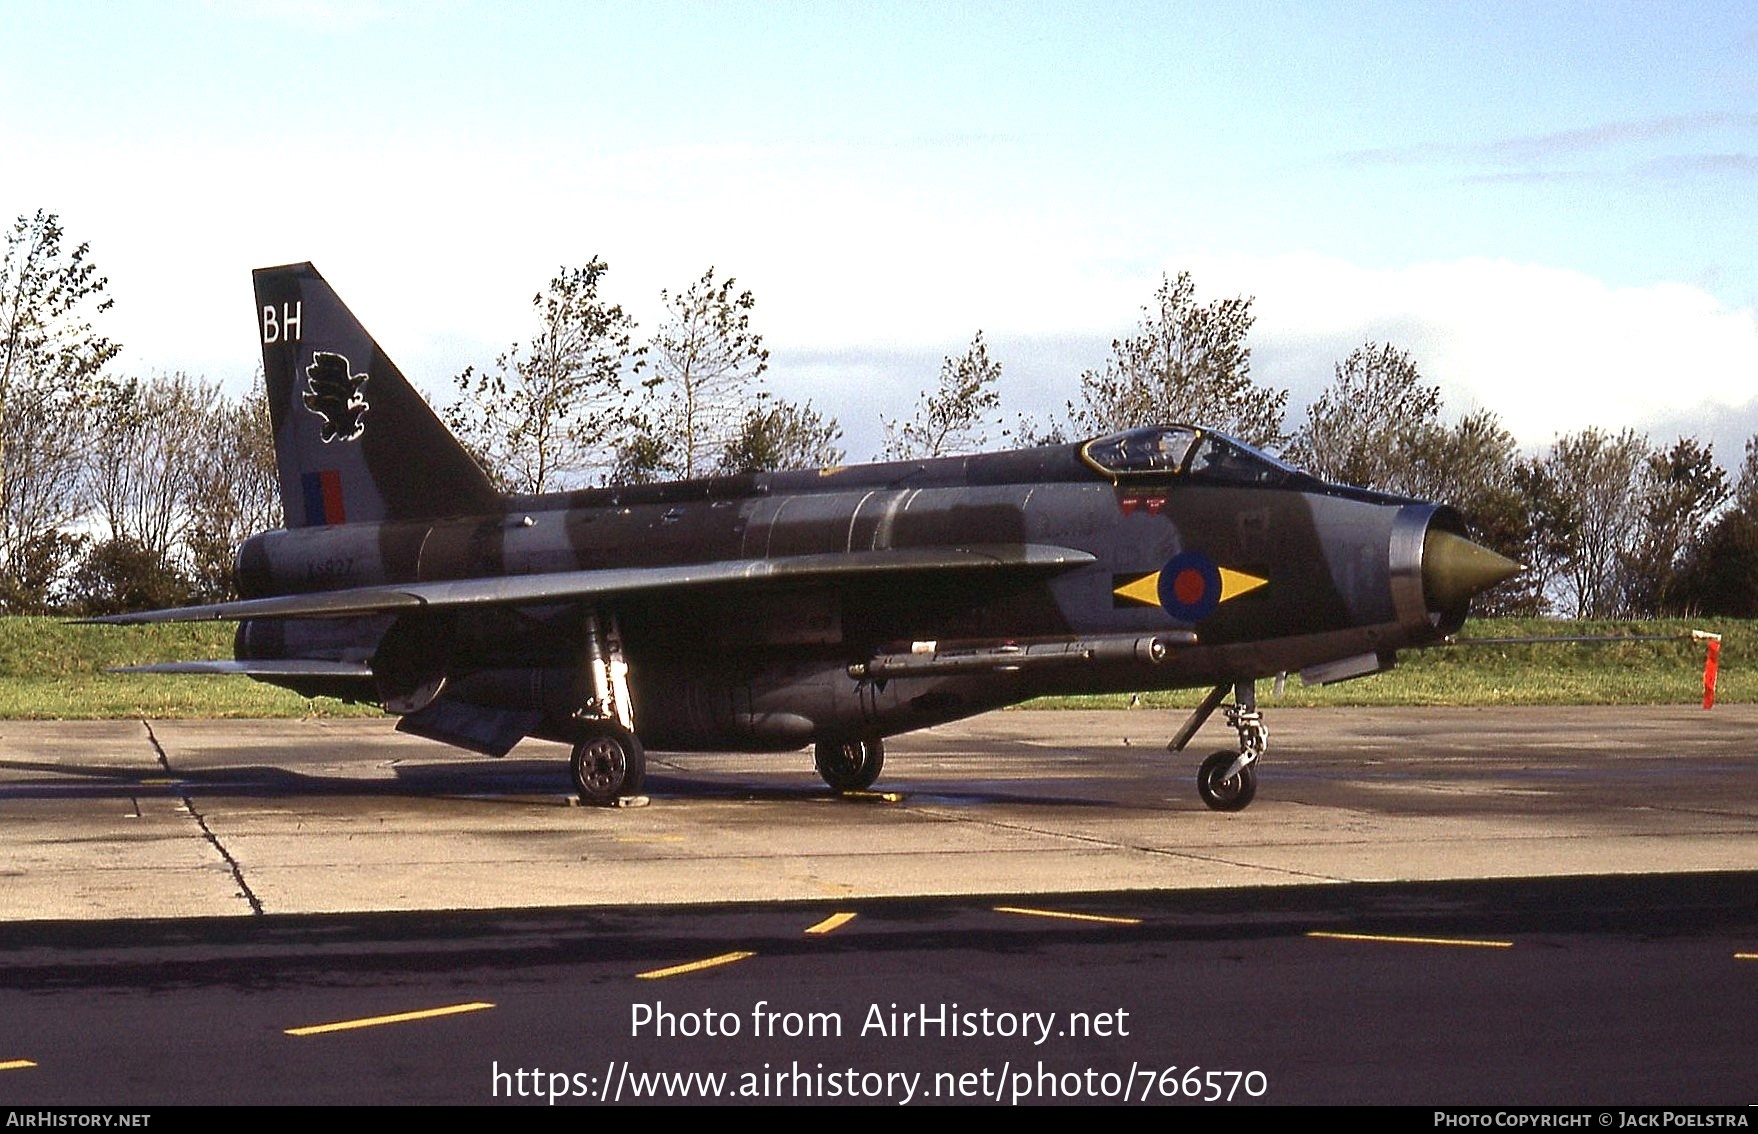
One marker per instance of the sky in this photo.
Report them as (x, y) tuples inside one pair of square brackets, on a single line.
[(1548, 204)]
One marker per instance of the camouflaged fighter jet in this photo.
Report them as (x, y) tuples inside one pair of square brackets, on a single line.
[(830, 607)]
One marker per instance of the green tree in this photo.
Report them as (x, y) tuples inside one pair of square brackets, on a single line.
[(707, 362), (782, 435), (1721, 575), (119, 575), (1542, 529), (551, 413), (1474, 465), (644, 456), (1678, 490), (1720, 572), (37, 582), (957, 415), (1372, 422), (47, 298), (1188, 363), (50, 357)]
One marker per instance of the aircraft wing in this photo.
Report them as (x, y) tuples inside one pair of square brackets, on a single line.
[(568, 586)]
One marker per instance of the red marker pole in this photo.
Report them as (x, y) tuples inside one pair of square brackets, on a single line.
[(1711, 665)]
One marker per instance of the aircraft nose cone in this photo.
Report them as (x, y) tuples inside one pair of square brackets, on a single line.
[(1454, 569)]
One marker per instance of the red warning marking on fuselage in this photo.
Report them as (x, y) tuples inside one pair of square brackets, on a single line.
[(1152, 505)]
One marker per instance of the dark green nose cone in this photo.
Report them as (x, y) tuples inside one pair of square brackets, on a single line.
[(1454, 569)]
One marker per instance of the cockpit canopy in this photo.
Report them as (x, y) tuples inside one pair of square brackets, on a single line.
[(1166, 451)]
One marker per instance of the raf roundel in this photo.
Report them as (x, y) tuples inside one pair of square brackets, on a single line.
[(1190, 586)]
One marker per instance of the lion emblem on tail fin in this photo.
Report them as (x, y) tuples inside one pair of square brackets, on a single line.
[(333, 393)]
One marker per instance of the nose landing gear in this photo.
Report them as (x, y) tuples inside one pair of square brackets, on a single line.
[(1227, 781)]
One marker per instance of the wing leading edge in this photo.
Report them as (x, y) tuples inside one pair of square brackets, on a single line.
[(566, 586)]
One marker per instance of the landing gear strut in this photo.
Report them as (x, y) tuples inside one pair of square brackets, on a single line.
[(608, 761), (1227, 781)]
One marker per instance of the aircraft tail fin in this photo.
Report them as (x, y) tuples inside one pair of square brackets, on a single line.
[(354, 442)]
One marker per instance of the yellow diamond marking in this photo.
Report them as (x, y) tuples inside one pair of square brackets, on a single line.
[(1145, 590), (1236, 583)]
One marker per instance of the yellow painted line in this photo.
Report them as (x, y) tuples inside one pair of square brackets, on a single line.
[(16, 1065), (397, 1018), (1412, 940), (834, 922), (1102, 919), (156, 781), (649, 838), (693, 966)]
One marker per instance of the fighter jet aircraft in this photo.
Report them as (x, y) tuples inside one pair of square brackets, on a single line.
[(829, 608)]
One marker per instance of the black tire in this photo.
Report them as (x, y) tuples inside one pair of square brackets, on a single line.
[(1231, 793), (852, 766), (608, 762)]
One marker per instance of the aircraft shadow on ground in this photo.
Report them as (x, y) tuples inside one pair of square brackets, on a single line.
[(483, 780)]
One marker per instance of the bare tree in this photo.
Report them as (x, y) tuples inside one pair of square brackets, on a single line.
[(151, 446), (1596, 472), (178, 474), (706, 365), (551, 413), (1188, 363), (235, 493), (957, 415)]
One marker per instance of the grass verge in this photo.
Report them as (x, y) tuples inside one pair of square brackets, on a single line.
[(50, 669)]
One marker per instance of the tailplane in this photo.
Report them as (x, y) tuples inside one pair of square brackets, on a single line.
[(354, 442)]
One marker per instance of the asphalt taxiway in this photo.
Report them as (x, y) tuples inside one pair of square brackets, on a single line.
[(182, 819)]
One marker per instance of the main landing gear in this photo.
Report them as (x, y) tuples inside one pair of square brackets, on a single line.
[(1227, 781), (608, 761), (852, 766)]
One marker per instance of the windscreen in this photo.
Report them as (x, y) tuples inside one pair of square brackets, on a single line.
[(1180, 450)]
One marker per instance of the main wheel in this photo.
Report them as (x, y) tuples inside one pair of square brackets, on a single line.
[(1223, 792), (608, 762), (852, 766)]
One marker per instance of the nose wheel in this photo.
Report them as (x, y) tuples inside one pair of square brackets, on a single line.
[(1223, 787)]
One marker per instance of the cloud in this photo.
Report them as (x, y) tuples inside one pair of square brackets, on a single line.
[(869, 261), (1551, 350), (1669, 145), (1609, 135)]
